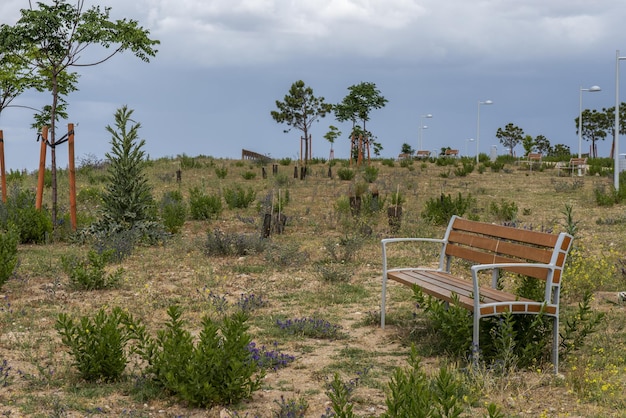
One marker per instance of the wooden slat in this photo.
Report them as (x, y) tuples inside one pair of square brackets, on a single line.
[(521, 251), (507, 232), (480, 257), (444, 286)]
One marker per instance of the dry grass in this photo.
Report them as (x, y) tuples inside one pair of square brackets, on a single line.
[(43, 382)]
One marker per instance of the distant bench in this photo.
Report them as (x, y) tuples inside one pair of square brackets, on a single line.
[(422, 154), (531, 158), (452, 153), (574, 164), (490, 248)]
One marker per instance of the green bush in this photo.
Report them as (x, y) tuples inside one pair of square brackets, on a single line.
[(370, 174), (439, 211), (34, 225), (505, 210), (98, 345), (466, 168), (221, 172), (248, 175), (8, 253), (203, 206), (412, 393), (90, 273), (173, 211), (345, 174), (217, 369), (238, 197)]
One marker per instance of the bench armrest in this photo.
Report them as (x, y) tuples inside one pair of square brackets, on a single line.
[(496, 266), (385, 242)]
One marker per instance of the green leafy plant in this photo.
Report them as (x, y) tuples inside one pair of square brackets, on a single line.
[(173, 211), (98, 344), (505, 210), (203, 206), (238, 197), (248, 175), (439, 211), (221, 172), (8, 253), (33, 225), (370, 174), (345, 174), (290, 408), (341, 397), (90, 273), (216, 369)]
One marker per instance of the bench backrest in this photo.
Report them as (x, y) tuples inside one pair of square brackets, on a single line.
[(423, 154), (534, 156), (484, 243), (577, 161), (404, 156), (452, 152)]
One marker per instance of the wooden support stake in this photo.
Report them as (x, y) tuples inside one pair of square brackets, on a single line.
[(42, 167), (70, 142), (3, 173)]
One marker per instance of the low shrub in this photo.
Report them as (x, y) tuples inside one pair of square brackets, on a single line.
[(8, 253), (202, 206), (248, 175), (217, 369), (505, 210), (34, 225), (173, 211), (310, 327), (439, 211), (221, 172), (90, 273), (345, 174), (233, 244), (238, 197), (98, 344), (370, 174)]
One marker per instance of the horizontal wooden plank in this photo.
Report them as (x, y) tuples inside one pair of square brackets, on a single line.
[(516, 234), (523, 252)]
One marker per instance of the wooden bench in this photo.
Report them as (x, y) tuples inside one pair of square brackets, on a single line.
[(404, 156), (490, 248), (422, 154), (575, 164), (452, 153), (531, 158)]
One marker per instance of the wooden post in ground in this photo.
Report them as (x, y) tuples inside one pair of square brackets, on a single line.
[(42, 167), (70, 142), (3, 173)]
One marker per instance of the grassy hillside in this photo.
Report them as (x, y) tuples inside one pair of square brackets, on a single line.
[(325, 266)]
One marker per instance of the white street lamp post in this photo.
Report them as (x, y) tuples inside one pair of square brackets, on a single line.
[(486, 102), (591, 89), (616, 128), (422, 127)]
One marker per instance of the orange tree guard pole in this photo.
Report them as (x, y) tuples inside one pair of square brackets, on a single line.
[(42, 167), (70, 141), (3, 173)]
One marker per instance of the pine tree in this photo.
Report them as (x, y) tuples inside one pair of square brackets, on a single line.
[(127, 202)]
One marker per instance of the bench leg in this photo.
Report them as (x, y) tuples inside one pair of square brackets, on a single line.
[(382, 302), (476, 339), (555, 344)]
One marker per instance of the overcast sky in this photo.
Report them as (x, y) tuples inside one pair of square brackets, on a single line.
[(222, 64)]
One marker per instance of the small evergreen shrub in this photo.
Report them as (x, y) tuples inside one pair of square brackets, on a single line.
[(8, 253), (284, 161), (98, 344), (90, 273), (173, 211), (238, 197), (202, 206), (467, 166)]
